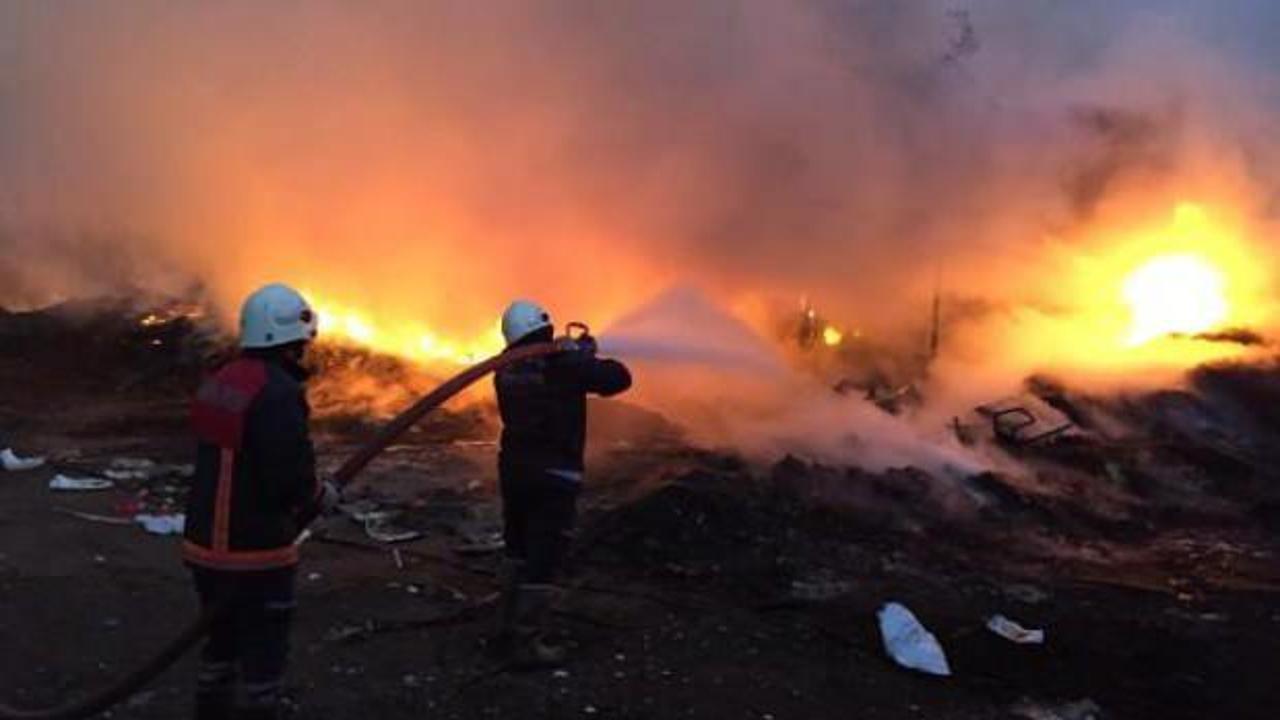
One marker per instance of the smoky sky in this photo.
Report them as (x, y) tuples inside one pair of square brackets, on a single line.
[(443, 157)]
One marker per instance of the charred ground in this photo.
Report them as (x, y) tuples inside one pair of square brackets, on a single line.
[(703, 585)]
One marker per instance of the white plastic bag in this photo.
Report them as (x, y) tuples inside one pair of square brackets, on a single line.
[(162, 524), (13, 463), (909, 643)]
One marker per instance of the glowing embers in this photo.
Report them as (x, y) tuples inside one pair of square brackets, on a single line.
[(1174, 294), (169, 313), (832, 337), (395, 336)]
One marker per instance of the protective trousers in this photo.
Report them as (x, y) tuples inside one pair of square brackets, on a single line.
[(248, 642), (539, 509)]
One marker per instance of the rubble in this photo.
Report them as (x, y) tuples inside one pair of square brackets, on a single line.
[(1024, 420), (733, 587)]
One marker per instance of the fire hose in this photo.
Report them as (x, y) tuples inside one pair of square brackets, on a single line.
[(192, 633)]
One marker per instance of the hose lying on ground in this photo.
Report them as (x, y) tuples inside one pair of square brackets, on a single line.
[(190, 635)]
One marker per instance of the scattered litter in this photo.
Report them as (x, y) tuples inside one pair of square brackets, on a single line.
[(379, 527), (1025, 420), (360, 510), (13, 463), (483, 544), (162, 524), (1012, 631), (909, 643), (127, 463), (64, 482), (1080, 710), (91, 517), (131, 469), (143, 469)]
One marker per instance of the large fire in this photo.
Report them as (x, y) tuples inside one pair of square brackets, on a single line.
[(1142, 297), (1174, 294), (1196, 275), (1130, 298), (403, 338)]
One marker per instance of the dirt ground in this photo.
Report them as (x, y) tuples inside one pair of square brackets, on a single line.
[(701, 586)]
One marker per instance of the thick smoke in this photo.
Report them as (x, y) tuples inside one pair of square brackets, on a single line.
[(433, 160), (440, 157)]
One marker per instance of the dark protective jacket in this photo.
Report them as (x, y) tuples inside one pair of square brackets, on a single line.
[(255, 481), (543, 402)]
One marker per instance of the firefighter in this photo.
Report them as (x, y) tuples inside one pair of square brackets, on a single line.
[(255, 489), (544, 412)]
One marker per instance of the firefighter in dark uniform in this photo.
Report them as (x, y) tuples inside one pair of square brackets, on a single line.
[(255, 489), (543, 403)]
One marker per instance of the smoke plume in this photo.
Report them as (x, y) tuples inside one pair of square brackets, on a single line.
[(430, 161)]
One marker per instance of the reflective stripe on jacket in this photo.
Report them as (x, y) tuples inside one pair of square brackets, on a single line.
[(255, 467)]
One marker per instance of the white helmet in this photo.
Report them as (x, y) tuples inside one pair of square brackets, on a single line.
[(276, 315), (521, 318)]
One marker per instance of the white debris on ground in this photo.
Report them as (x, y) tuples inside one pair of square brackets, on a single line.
[(1013, 632), (909, 643), (171, 524), (130, 469), (12, 462), (79, 484), (379, 527), (360, 510), (126, 468), (481, 543), (378, 522)]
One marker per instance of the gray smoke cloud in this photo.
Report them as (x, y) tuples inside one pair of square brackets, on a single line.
[(440, 158)]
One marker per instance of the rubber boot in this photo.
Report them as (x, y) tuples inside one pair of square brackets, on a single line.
[(532, 650), (503, 640), (215, 690)]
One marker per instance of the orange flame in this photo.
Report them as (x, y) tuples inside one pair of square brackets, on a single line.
[(395, 336)]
